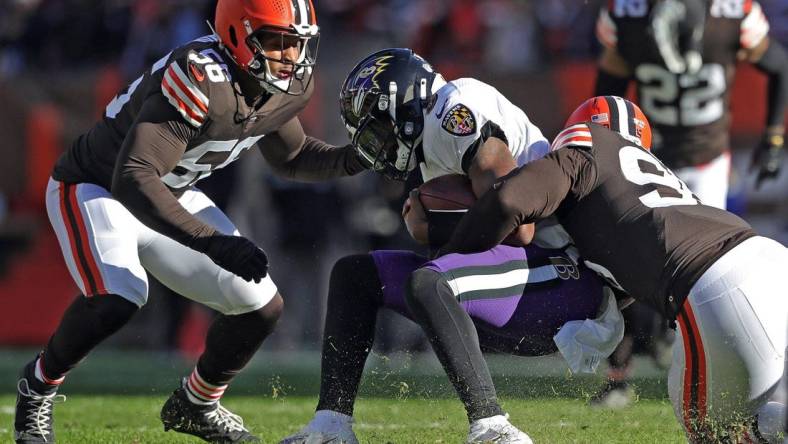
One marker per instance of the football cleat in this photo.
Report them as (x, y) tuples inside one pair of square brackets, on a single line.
[(614, 395), (496, 430), (305, 437), (34, 419), (326, 427), (213, 423)]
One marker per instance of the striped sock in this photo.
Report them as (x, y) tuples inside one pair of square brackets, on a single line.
[(41, 377), (203, 393)]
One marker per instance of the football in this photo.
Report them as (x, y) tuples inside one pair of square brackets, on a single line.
[(449, 192)]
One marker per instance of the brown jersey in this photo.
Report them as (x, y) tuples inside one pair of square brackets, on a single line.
[(630, 216), (180, 121), (196, 81), (689, 113)]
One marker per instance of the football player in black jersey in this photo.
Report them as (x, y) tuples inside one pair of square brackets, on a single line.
[(681, 54), (122, 203), (634, 220)]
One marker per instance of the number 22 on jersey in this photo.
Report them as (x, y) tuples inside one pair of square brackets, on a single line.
[(642, 168), (686, 100)]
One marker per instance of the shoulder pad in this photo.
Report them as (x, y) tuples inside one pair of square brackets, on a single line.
[(575, 135), (189, 79)]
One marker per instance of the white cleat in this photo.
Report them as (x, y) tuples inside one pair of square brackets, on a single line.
[(496, 430), (327, 427), (306, 437)]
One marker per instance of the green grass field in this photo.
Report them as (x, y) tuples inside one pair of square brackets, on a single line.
[(134, 419), (115, 397)]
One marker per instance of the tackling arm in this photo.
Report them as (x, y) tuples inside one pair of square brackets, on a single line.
[(294, 155), (529, 193), (493, 161)]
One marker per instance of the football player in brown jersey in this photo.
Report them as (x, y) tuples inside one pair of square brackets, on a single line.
[(122, 203), (634, 220), (682, 55)]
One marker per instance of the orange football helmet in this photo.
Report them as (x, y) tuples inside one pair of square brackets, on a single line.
[(617, 114), (243, 25)]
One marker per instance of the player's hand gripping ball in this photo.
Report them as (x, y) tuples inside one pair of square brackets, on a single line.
[(451, 193)]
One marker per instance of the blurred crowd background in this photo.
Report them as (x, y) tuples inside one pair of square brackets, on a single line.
[(61, 61)]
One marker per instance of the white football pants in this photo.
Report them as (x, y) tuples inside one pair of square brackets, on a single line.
[(729, 351), (107, 251), (709, 182)]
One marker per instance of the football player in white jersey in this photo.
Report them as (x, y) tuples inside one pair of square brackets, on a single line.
[(402, 115)]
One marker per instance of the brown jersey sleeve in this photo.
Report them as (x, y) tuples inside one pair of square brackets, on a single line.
[(294, 155), (152, 148), (530, 193)]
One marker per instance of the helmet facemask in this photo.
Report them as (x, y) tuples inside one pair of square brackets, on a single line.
[(267, 40), (386, 140)]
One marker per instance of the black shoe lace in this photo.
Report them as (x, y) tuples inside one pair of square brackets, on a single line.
[(39, 409)]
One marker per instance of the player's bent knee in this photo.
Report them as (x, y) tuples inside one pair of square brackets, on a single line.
[(240, 296), (420, 289), (272, 311), (348, 266)]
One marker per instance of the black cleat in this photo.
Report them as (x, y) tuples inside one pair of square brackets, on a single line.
[(213, 423), (34, 418)]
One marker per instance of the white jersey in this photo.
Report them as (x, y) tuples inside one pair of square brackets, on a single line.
[(461, 119), (465, 112)]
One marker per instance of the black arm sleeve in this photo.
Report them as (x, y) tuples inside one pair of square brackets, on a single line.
[(527, 194), (294, 155), (774, 63), (153, 147), (609, 85)]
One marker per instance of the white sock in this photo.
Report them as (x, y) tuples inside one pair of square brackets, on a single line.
[(201, 392), (497, 419), (39, 374)]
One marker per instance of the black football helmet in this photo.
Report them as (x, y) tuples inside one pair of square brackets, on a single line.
[(382, 103)]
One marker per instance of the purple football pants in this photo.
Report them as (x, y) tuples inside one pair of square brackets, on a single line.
[(517, 297)]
